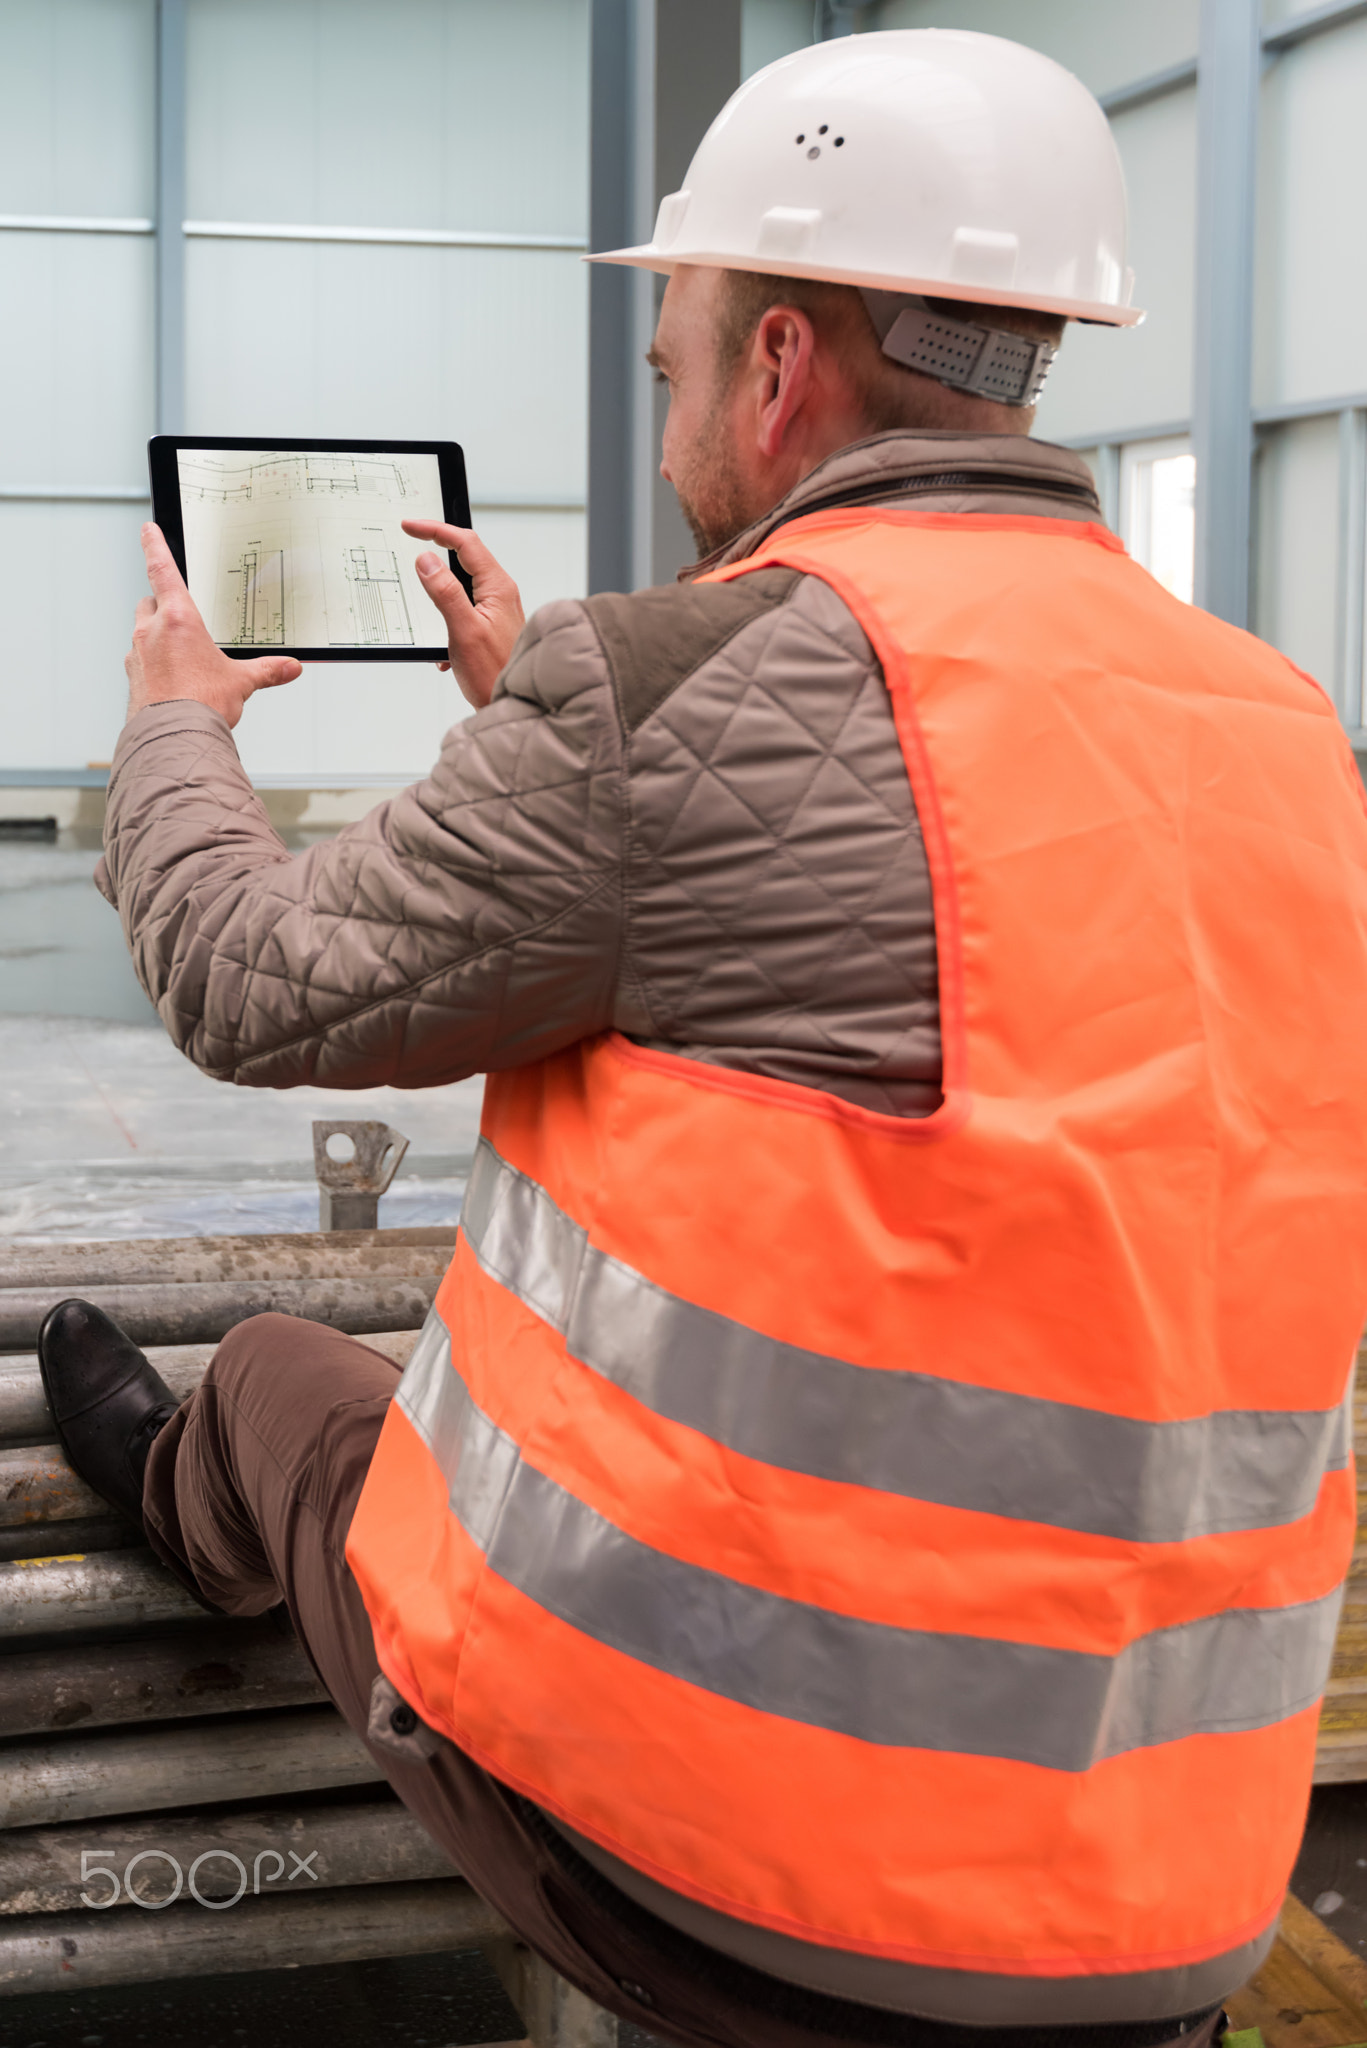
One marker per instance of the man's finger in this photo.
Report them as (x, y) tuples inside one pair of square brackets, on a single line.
[(486, 572), (162, 573), (434, 529)]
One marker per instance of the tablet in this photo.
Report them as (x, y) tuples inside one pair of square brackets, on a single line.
[(298, 547)]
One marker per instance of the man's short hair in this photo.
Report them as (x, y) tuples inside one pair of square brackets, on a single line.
[(895, 397)]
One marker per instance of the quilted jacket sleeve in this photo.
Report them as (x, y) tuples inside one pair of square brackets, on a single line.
[(471, 923)]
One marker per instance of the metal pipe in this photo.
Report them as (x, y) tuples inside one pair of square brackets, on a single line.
[(24, 1413), (1155, 85), (32, 1540), (202, 1312), (403, 238), (287, 1853), (76, 224), (351, 1254), (1314, 21), (119, 1589), (237, 1667), (39, 1486), (66, 1952), (266, 1756)]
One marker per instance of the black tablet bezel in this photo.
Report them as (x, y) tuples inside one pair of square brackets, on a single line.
[(164, 473)]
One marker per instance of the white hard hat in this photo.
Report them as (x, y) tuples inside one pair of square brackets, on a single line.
[(912, 161)]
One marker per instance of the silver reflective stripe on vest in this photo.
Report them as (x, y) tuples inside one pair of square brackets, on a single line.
[(978, 1998), (1064, 1710), (890, 1430)]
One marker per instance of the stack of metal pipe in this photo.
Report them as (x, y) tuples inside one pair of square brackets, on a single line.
[(159, 1765)]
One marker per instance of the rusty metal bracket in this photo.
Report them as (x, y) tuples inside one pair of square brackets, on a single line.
[(349, 1190)]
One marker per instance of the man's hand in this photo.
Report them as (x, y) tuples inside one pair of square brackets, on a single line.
[(172, 655), (481, 635)]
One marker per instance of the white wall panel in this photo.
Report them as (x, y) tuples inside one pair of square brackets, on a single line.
[(76, 363), (1296, 479), (482, 346), (544, 552), (79, 571), (1106, 43), (1311, 325), (387, 719), (1106, 379), (341, 719), (770, 29), (77, 130), (417, 113)]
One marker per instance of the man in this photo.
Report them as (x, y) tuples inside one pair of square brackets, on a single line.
[(855, 1553)]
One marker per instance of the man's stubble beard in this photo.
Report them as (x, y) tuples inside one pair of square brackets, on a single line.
[(710, 488)]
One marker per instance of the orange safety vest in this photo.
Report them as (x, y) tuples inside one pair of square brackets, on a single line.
[(925, 1538)]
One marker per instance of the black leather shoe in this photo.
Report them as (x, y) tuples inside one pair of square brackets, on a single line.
[(107, 1401)]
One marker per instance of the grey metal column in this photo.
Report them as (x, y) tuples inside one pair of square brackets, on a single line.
[(697, 68), (612, 181), (661, 70), (170, 216), (1352, 566), (1228, 71), (833, 18)]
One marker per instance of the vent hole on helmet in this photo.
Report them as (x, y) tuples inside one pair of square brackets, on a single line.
[(802, 138), (823, 128), (813, 151), (840, 142)]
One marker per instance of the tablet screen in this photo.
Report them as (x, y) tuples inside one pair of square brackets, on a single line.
[(306, 548)]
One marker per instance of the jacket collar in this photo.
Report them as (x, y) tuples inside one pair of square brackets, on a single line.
[(934, 466)]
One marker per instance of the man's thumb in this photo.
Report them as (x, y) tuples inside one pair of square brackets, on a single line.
[(270, 669), (444, 589)]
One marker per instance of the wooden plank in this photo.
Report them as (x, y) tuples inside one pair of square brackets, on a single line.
[(1310, 1993), (1341, 1759), (1332, 1961), (1345, 1706), (1341, 1755)]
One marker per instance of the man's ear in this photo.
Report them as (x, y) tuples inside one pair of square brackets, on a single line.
[(782, 360)]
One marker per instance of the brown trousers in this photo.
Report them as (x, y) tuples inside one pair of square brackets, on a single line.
[(252, 1485)]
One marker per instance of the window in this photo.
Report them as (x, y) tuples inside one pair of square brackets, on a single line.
[(1158, 511)]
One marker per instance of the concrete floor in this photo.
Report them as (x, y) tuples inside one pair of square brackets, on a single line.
[(106, 1131)]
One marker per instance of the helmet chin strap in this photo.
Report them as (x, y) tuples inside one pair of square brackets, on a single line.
[(985, 361)]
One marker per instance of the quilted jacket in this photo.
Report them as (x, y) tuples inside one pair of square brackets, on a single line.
[(683, 815)]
